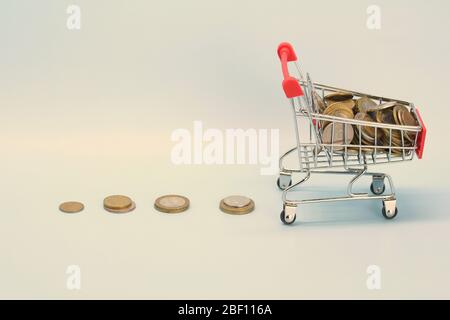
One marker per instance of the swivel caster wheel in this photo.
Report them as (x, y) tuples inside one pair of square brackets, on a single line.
[(378, 187), (377, 190), (284, 182), (389, 209), (289, 216)]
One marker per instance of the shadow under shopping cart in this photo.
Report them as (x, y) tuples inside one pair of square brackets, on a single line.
[(432, 207)]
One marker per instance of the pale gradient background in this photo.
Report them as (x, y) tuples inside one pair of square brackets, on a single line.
[(89, 113)]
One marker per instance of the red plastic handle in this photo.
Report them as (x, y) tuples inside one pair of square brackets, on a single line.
[(421, 138), (291, 86)]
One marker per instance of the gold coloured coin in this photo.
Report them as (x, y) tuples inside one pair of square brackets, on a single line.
[(343, 113), (338, 96), (341, 108), (350, 104), (337, 109), (391, 113), (172, 203), (319, 103), (395, 140), (395, 111), (367, 132), (387, 116), (382, 106), (364, 104), (398, 111), (124, 210), (405, 117), (237, 205), (338, 134), (71, 207), (117, 202)]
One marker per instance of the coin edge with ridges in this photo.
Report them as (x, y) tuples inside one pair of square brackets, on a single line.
[(106, 205), (178, 209), (237, 211), (61, 207), (128, 209)]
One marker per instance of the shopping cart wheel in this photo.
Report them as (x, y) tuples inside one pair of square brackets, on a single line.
[(290, 217), (389, 210), (377, 189), (284, 182)]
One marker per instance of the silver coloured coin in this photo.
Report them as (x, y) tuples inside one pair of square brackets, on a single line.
[(172, 203), (237, 201)]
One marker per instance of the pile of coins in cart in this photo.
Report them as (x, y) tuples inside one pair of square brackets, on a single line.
[(365, 138)]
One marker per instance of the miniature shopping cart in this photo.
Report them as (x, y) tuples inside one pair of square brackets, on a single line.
[(317, 156)]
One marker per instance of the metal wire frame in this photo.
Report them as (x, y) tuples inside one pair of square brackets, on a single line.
[(314, 153)]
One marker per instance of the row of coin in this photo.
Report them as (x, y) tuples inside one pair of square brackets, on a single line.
[(237, 205), (344, 105)]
